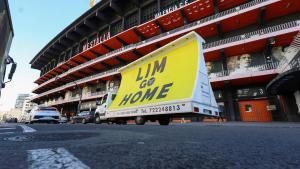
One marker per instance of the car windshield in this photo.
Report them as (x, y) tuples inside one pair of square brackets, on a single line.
[(47, 109), (113, 97), (104, 99), (83, 113)]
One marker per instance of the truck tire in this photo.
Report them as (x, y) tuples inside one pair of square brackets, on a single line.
[(164, 121), (140, 120), (121, 122), (97, 119)]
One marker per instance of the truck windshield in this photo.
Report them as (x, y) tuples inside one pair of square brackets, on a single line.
[(113, 97), (104, 99)]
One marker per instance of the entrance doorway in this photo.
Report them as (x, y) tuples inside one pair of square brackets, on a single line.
[(255, 110)]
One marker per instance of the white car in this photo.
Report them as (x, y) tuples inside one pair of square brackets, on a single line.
[(43, 114)]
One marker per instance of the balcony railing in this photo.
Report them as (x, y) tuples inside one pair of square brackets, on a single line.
[(200, 23), (76, 98), (250, 70), (80, 81), (254, 34)]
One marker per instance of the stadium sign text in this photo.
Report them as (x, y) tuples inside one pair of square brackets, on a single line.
[(96, 41), (171, 9)]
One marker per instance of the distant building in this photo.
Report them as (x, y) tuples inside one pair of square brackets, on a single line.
[(27, 105), (20, 100), (12, 113), (6, 35)]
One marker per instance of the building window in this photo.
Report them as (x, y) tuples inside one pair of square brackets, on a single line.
[(63, 57), (131, 20), (129, 7), (69, 54), (149, 12), (165, 4), (75, 50), (53, 63), (92, 37), (116, 28), (103, 31), (82, 43)]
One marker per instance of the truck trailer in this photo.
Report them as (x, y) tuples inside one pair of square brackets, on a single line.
[(167, 83)]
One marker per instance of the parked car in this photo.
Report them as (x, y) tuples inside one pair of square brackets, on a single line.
[(11, 120), (83, 117), (43, 114)]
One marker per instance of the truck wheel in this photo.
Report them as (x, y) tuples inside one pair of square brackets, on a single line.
[(164, 121), (97, 120), (140, 120), (121, 122)]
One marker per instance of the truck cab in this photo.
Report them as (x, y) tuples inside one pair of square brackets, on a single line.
[(102, 106)]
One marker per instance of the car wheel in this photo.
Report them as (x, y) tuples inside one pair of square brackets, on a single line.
[(140, 120), (97, 120), (164, 121), (83, 121), (51, 122)]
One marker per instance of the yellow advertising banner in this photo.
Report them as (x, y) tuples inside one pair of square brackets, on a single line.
[(166, 75)]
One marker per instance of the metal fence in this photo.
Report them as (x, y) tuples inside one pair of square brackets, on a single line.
[(252, 69)]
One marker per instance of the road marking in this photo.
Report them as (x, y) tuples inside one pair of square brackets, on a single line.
[(7, 128), (7, 133), (27, 129), (53, 159)]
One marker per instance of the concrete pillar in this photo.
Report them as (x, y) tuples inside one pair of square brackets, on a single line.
[(230, 105)]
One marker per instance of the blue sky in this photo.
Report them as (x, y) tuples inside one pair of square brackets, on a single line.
[(35, 23)]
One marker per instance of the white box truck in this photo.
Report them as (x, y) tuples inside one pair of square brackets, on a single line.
[(169, 82)]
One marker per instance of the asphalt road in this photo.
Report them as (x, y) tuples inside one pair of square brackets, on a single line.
[(194, 145)]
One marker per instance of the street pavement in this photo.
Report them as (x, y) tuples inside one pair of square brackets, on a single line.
[(191, 145)]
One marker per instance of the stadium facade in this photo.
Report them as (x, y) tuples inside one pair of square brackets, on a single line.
[(245, 42)]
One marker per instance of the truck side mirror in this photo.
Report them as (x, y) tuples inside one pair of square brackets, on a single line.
[(97, 102), (12, 71)]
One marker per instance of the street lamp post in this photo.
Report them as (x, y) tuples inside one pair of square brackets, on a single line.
[(80, 94)]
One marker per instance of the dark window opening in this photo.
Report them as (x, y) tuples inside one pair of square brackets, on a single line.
[(149, 12), (116, 28), (131, 20)]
